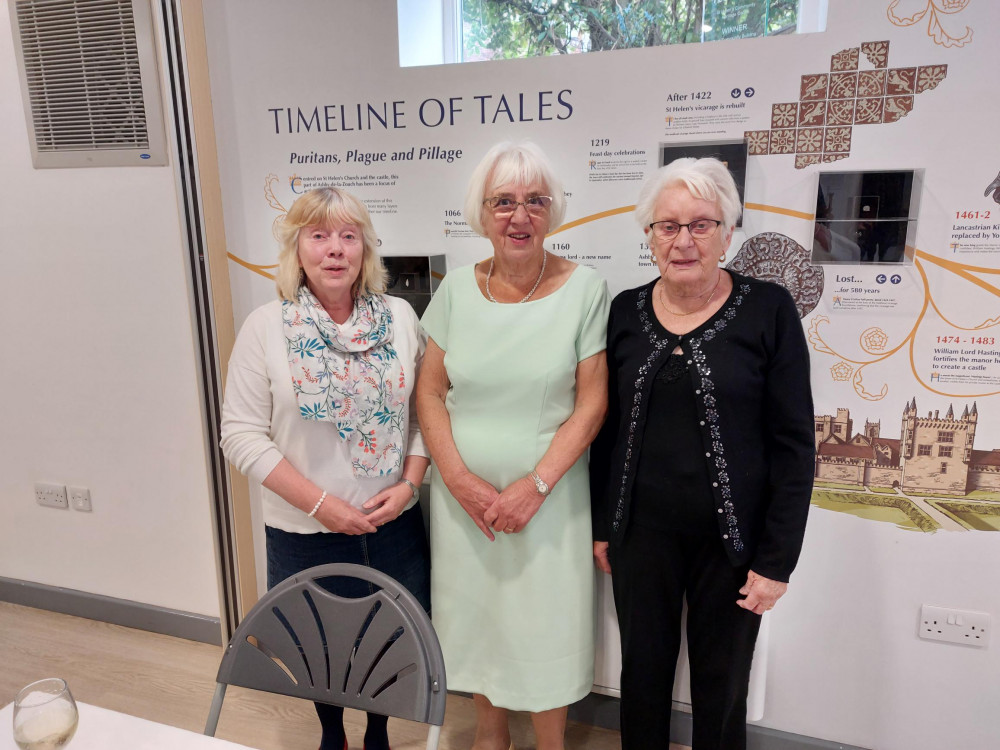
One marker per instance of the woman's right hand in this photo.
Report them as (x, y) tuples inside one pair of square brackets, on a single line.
[(475, 495), (601, 557), (338, 516)]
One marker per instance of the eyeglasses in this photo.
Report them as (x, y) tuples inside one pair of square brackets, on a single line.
[(503, 206), (700, 229)]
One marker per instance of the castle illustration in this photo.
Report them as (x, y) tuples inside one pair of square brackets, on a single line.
[(933, 455)]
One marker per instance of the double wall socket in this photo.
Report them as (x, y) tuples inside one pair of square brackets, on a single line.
[(954, 626), (60, 496), (51, 495)]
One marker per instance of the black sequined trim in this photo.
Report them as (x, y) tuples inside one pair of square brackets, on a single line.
[(717, 462)]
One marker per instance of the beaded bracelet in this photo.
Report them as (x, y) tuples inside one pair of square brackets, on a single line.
[(318, 503)]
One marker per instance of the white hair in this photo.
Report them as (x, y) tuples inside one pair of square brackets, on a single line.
[(708, 179), (510, 163)]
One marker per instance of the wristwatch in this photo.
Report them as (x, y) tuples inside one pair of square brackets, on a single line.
[(543, 489), (413, 488)]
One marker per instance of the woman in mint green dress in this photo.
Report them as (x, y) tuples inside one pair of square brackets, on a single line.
[(511, 393)]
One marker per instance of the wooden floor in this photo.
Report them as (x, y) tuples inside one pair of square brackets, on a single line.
[(171, 680)]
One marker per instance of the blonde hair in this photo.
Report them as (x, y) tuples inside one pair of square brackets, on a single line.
[(512, 163), (326, 207)]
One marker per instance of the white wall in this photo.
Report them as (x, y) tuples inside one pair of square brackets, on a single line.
[(844, 660), (98, 380)]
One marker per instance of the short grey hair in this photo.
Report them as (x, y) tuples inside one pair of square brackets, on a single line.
[(512, 163), (708, 179)]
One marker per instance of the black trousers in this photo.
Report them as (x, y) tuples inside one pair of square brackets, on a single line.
[(652, 573)]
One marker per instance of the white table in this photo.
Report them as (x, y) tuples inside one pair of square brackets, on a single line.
[(101, 729)]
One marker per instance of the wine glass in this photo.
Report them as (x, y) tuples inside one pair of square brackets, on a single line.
[(45, 715)]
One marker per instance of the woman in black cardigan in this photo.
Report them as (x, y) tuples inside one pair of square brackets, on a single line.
[(702, 474)]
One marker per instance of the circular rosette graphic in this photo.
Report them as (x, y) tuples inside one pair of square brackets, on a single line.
[(841, 371), (874, 339), (770, 256)]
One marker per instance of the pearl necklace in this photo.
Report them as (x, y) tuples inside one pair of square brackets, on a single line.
[(489, 273), (663, 299)]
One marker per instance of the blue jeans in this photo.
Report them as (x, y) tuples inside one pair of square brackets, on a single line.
[(398, 549)]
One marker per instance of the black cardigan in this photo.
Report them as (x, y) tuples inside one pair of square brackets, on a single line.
[(749, 368)]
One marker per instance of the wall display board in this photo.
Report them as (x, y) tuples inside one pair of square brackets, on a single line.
[(905, 349)]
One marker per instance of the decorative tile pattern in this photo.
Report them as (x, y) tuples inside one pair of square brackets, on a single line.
[(897, 107), (846, 59), (812, 114), (809, 141), (868, 111), (877, 53), (843, 85), (901, 81), (813, 87), (928, 77), (784, 115), (871, 83), (757, 141), (783, 141), (837, 141), (819, 127), (840, 112)]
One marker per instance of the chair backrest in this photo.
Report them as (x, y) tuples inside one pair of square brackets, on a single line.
[(378, 653)]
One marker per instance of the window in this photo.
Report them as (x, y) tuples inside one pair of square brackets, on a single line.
[(838, 429), (946, 437), (533, 28), (944, 451), (819, 427), (448, 31), (944, 468), (923, 450)]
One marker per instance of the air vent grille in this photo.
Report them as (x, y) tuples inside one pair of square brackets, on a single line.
[(89, 82), (81, 63)]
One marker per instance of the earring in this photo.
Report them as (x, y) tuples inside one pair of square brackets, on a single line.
[(722, 258)]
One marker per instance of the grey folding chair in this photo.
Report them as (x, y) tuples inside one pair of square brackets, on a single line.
[(378, 653)]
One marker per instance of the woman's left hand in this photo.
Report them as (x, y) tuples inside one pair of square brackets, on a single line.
[(761, 593), (388, 503), (516, 505)]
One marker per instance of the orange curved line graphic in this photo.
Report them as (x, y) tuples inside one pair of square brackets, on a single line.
[(962, 270), (779, 210), (253, 266), (592, 217), (956, 268)]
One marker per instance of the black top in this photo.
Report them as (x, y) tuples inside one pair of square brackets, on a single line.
[(672, 489), (749, 376)]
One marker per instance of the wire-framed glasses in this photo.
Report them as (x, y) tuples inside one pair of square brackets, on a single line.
[(700, 229), (503, 205)]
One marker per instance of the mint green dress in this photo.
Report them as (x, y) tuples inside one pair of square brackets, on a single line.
[(515, 616)]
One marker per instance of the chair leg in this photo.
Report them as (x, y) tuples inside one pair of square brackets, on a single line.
[(433, 736), (216, 709)]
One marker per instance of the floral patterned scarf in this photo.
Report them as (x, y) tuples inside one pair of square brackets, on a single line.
[(349, 375)]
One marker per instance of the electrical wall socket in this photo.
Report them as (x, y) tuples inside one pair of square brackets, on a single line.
[(954, 626), (51, 495), (79, 499)]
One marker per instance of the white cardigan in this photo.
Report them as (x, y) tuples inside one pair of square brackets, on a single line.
[(261, 422)]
